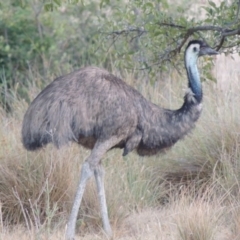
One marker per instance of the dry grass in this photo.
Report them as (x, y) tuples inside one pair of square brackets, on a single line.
[(192, 192)]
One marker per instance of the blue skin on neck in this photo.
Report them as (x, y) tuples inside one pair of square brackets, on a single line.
[(194, 83)]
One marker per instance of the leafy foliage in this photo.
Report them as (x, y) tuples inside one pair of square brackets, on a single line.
[(33, 40), (53, 37), (155, 32)]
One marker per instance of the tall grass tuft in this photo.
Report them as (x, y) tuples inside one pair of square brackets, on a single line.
[(198, 219)]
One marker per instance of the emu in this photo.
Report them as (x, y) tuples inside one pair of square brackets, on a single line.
[(99, 111)]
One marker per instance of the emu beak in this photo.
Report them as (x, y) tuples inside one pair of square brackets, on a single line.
[(206, 50)]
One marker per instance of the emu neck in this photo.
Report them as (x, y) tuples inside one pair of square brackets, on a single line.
[(194, 82)]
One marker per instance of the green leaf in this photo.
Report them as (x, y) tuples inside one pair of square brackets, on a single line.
[(212, 4), (104, 3), (58, 2), (48, 7)]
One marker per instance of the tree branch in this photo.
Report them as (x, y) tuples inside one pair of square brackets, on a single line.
[(224, 32), (178, 38), (129, 30)]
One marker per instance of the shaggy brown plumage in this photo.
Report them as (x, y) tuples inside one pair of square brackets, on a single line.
[(91, 104)]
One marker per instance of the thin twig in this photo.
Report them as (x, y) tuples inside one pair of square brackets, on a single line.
[(15, 193), (36, 220)]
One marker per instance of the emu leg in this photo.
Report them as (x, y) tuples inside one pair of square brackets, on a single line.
[(86, 173), (99, 177), (90, 167)]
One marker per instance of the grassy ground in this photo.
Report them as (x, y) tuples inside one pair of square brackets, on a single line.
[(189, 193)]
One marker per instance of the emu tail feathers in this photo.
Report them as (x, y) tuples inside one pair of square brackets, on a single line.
[(44, 124)]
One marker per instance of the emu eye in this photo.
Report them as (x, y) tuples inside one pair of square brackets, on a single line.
[(194, 49)]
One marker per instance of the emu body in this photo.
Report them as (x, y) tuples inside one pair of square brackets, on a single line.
[(91, 104), (98, 110)]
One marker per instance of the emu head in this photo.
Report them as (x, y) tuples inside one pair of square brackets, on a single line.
[(198, 48)]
